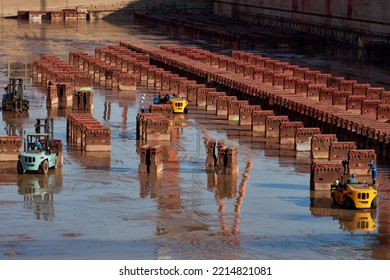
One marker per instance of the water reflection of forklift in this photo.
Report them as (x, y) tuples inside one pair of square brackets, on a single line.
[(358, 220), (13, 98), (38, 192)]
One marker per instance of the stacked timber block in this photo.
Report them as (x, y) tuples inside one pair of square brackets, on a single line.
[(150, 159), (326, 172), (320, 145), (53, 69), (222, 103), (328, 155), (226, 162), (340, 150), (87, 133), (246, 112), (288, 131), (57, 147), (163, 110), (358, 161), (10, 148), (272, 125), (59, 94), (52, 96), (303, 138), (153, 126), (83, 100), (234, 109), (211, 100), (334, 104), (201, 96), (211, 159), (259, 120), (115, 67)]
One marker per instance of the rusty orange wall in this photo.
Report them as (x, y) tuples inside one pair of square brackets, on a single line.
[(367, 15)]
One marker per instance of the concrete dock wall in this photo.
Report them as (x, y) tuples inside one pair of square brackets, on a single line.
[(357, 21), (10, 8)]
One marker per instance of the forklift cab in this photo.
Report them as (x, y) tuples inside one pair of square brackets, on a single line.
[(37, 142)]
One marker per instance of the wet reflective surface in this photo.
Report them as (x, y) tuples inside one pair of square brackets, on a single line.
[(97, 205)]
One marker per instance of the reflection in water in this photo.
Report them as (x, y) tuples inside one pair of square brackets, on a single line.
[(381, 250), (38, 192), (190, 228), (150, 185), (59, 111), (7, 172), (14, 123), (359, 220), (225, 186), (107, 111), (98, 160)]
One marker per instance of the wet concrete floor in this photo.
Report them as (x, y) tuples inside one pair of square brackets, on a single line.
[(97, 205)]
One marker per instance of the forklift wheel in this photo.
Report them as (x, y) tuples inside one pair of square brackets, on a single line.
[(44, 167), (20, 168), (374, 203)]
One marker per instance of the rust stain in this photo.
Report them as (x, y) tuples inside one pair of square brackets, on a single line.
[(349, 10), (9, 202), (71, 234), (11, 254)]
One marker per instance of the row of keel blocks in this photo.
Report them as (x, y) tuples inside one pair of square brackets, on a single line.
[(86, 132), (303, 81), (83, 100), (59, 93), (234, 83), (324, 173), (153, 126), (53, 70)]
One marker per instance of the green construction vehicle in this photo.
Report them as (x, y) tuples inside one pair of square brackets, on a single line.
[(13, 98), (38, 156)]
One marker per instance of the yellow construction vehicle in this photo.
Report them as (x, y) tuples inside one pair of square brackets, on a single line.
[(351, 194), (179, 104)]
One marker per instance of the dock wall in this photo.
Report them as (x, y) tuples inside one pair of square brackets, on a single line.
[(105, 7), (357, 22)]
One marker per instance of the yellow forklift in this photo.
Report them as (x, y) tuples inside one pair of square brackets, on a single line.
[(179, 104), (352, 194)]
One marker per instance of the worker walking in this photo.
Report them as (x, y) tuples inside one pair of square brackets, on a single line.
[(143, 102), (344, 162), (156, 99), (372, 168)]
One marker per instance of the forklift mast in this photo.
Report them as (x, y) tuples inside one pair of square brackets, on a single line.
[(45, 126)]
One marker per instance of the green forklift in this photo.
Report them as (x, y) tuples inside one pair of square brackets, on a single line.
[(13, 98), (38, 155)]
